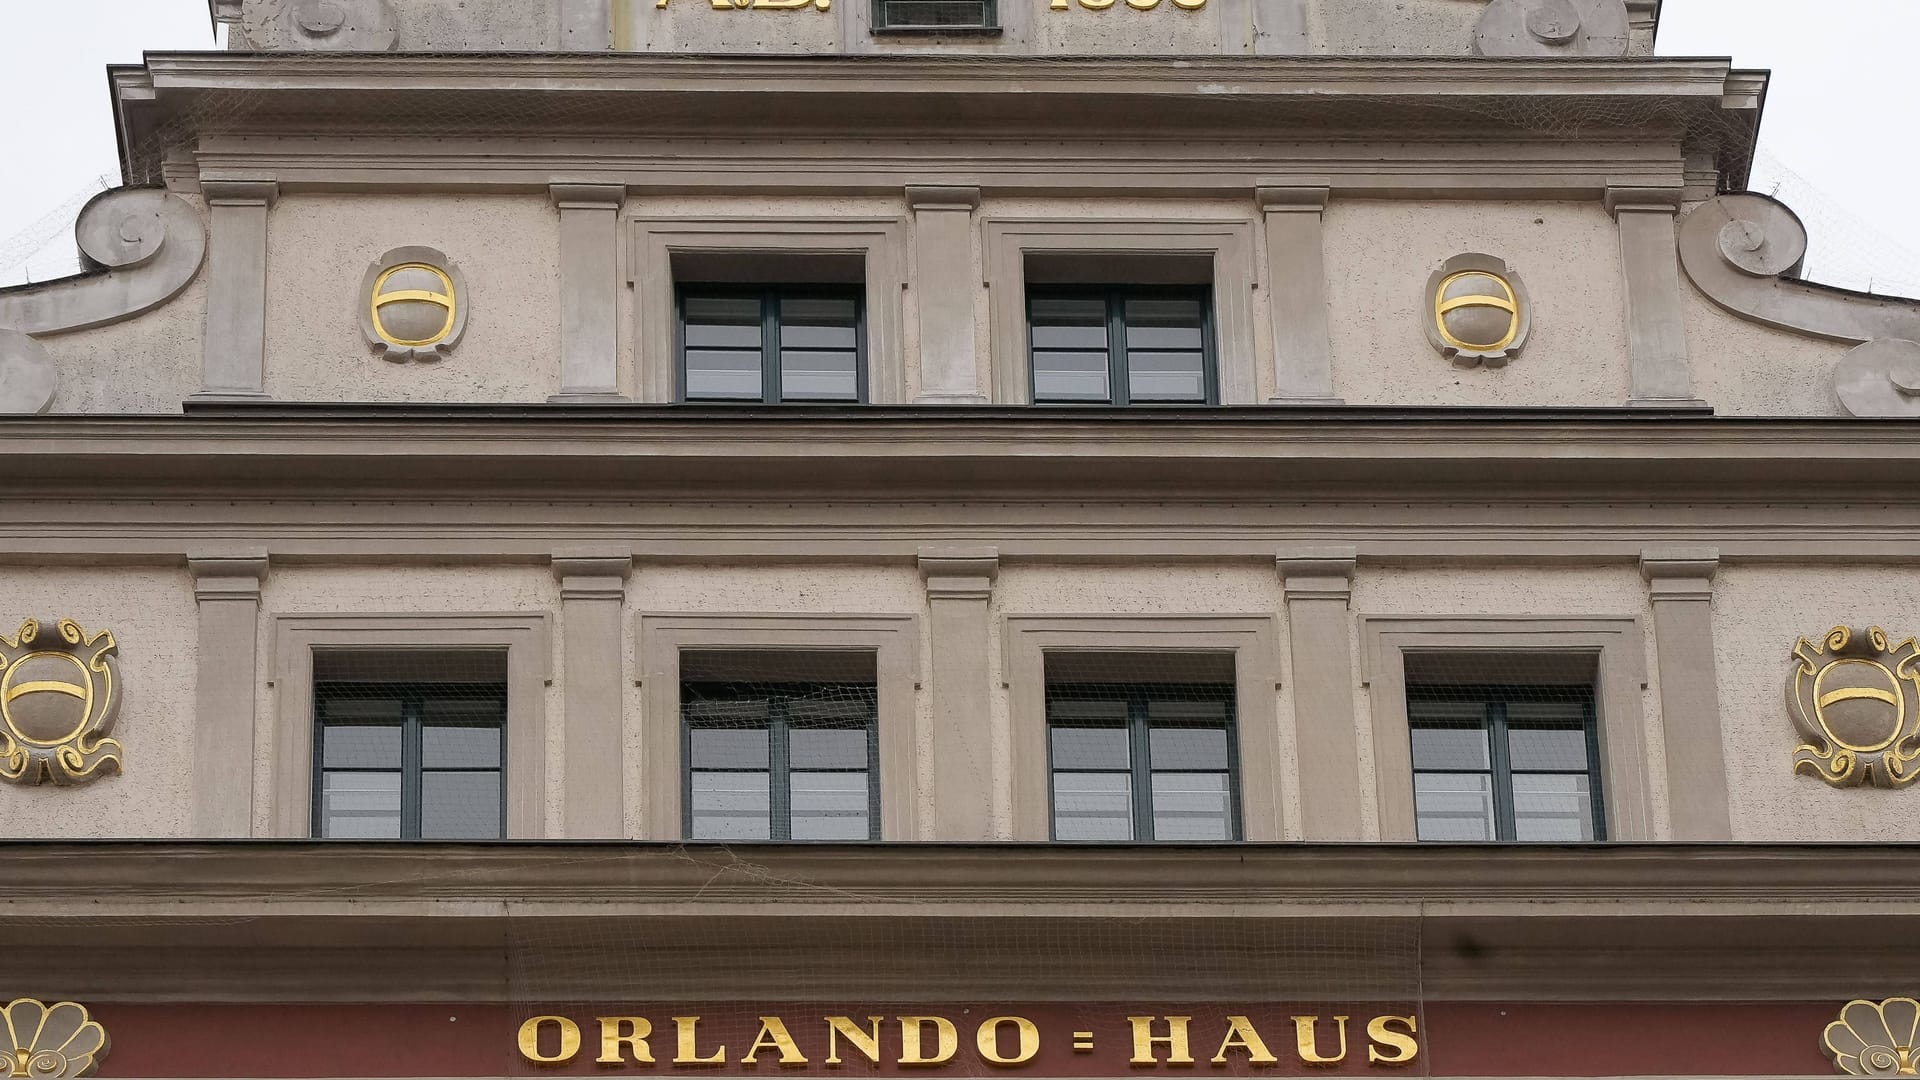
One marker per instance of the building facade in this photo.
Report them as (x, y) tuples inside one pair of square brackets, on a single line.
[(888, 537)]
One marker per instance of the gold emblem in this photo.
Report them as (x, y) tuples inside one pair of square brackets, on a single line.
[(1477, 311), (413, 305), (49, 1041), (1873, 1039), (1856, 702), (58, 700)]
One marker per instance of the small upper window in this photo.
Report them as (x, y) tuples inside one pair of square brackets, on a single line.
[(771, 344), (936, 16), (1516, 762), (410, 744), (1121, 345)]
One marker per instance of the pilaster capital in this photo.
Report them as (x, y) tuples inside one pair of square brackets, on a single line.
[(1318, 573), (1679, 573), (592, 575), (1646, 200), (240, 192), (1309, 198), (959, 573), (942, 197), (577, 196), (227, 575)]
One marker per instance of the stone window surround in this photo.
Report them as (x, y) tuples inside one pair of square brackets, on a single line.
[(893, 638), (1618, 646), (880, 241), (1254, 641), (527, 639), (1229, 241)]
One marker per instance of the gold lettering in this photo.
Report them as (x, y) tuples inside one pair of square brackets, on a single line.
[(1403, 1041), (1242, 1036), (1304, 1027), (988, 1039), (1057, 5), (689, 1032), (946, 1039), (530, 1040), (612, 1038), (1143, 5), (866, 1041), (773, 1036), (1144, 1038), (1190, 5)]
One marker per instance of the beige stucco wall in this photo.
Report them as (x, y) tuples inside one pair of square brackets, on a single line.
[(150, 611), (1759, 612), (1517, 590), (1742, 368), (1379, 255), (147, 364), (319, 248)]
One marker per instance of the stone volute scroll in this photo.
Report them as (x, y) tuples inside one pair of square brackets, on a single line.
[(1477, 312), (140, 247), (413, 305), (319, 25), (1855, 698), (1745, 252), (59, 696), (1553, 28)]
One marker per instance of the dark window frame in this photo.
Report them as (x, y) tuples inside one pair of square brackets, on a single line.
[(770, 297), (778, 696), (1494, 698), (990, 26), (1119, 382), (413, 724), (1139, 730)]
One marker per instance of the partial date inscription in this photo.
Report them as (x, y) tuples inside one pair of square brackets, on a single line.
[(763, 5), (1137, 5)]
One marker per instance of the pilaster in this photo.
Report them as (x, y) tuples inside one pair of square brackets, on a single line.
[(943, 287), (1318, 585), (1680, 586), (226, 592), (1656, 314), (959, 585), (1297, 293), (589, 290), (235, 364), (593, 596)]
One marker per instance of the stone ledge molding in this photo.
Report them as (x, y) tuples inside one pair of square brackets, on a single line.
[(942, 197), (587, 196)]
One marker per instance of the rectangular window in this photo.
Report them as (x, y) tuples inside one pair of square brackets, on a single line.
[(771, 344), (1134, 758), (1121, 345), (935, 16), (1513, 762), (409, 745), (780, 746)]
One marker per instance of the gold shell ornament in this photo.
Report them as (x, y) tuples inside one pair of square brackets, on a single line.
[(1477, 311), (1855, 699), (1873, 1039), (48, 1041), (58, 700)]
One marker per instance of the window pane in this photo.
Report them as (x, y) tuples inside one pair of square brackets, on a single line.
[(1090, 748), (1450, 748), (730, 806), (819, 342), (360, 746), (1453, 806), (1070, 376), (1552, 807), (1166, 376), (1187, 748), (722, 346), (716, 374), (1070, 359), (460, 806), (360, 806), (464, 712), (1092, 806), (721, 748), (1547, 748), (447, 747), (336, 708), (828, 748), (830, 806), (1192, 805)]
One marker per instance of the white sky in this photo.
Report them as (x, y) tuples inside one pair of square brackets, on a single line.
[(1838, 144)]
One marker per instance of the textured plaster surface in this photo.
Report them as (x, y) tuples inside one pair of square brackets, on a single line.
[(1742, 368), (1566, 253), (477, 25), (319, 248), (1394, 27), (1759, 612), (700, 27), (148, 364), (1511, 590), (151, 613), (435, 590), (1163, 30)]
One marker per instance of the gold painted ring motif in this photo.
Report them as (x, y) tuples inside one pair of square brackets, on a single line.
[(11, 691), (1508, 302), (1895, 698), (445, 299)]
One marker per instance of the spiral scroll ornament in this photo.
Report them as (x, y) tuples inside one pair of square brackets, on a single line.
[(1553, 28), (319, 25)]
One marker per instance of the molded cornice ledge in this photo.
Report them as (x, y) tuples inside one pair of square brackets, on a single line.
[(596, 576), (227, 577), (959, 573), (1680, 573), (1322, 573)]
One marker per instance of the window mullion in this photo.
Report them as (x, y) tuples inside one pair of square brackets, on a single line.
[(411, 739), (1119, 387), (1596, 801), (1504, 825), (779, 771), (1138, 739), (770, 347)]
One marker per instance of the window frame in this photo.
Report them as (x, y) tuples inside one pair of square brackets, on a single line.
[(1494, 699), (770, 297), (1140, 751), (1119, 375), (412, 695), (990, 26), (779, 758)]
